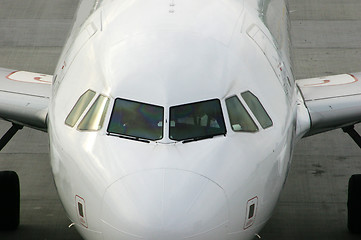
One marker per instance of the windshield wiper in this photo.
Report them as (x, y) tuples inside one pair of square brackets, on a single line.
[(194, 139), (129, 137)]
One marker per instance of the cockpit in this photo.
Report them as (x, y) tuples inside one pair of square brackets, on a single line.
[(181, 123)]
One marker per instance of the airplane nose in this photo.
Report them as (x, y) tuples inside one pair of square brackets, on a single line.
[(164, 205)]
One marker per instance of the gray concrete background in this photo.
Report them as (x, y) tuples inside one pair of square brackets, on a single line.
[(326, 36)]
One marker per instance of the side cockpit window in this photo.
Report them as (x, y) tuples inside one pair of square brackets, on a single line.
[(79, 108), (93, 120), (257, 109), (240, 120), (94, 117)]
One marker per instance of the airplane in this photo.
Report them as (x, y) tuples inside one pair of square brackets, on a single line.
[(174, 119)]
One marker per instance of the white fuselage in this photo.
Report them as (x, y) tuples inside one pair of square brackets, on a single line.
[(169, 53)]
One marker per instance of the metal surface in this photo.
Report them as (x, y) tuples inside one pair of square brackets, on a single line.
[(313, 205)]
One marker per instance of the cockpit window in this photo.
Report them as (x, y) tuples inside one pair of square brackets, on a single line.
[(257, 109), (196, 121), (136, 120), (79, 108), (239, 117), (94, 118)]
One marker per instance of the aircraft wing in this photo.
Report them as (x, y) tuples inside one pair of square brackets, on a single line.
[(332, 101), (24, 97)]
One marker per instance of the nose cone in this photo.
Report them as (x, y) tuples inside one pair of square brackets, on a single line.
[(164, 204)]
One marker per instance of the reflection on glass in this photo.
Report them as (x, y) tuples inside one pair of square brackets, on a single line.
[(79, 108), (257, 109), (196, 121), (239, 117), (94, 118), (137, 120)]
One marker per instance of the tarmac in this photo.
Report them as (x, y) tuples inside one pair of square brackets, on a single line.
[(326, 40)]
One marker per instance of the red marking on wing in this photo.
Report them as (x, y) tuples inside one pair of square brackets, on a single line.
[(328, 81), (39, 79), (8, 76), (354, 77), (318, 84)]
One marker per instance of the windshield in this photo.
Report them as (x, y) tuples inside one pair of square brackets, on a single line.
[(196, 121), (136, 120)]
